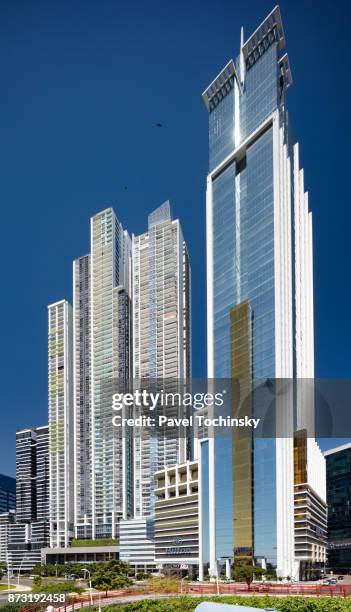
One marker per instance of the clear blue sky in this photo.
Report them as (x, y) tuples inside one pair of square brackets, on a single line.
[(82, 84)]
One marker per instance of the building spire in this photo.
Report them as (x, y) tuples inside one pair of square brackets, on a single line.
[(242, 60)]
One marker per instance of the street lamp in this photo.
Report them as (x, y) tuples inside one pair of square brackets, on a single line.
[(217, 562), (8, 570), (19, 571), (85, 569)]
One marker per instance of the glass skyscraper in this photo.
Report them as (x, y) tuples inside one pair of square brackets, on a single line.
[(7, 493), (338, 462), (259, 295)]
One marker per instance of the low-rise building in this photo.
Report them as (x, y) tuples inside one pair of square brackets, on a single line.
[(80, 554), (310, 508), (25, 541), (137, 544), (6, 519), (177, 518)]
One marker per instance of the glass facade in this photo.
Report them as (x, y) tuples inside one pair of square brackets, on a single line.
[(7, 493), (339, 509), (204, 503), (260, 98), (243, 269), (243, 273), (221, 126)]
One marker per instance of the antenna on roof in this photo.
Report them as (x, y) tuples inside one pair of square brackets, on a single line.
[(242, 60)]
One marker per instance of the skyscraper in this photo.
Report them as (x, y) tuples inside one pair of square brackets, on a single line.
[(7, 493), (6, 519), (82, 396), (338, 462), (32, 474), (102, 354), (107, 324), (28, 531), (161, 339), (60, 423), (259, 295)]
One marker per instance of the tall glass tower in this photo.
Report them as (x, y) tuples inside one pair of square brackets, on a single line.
[(259, 294)]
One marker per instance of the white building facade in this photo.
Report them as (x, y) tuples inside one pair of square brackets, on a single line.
[(61, 442), (161, 340)]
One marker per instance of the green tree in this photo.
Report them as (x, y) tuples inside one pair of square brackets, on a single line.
[(247, 573), (103, 580), (3, 569)]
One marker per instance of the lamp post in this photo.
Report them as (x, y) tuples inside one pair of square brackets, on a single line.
[(217, 577), (91, 595), (8, 570), (19, 571)]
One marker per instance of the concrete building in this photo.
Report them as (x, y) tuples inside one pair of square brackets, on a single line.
[(25, 541), (61, 441), (26, 532), (161, 339), (177, 518), (310, 508), (6, 519), (137, 543), (102, 354), (32, 474), (80, 554)]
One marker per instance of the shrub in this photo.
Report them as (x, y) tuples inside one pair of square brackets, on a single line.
[(103, 542), (142, 576), (57, 587), (283, 604)]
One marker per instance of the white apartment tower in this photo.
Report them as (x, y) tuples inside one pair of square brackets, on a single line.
[(106, 327), (101, 331), (60, 423), (161, 339)]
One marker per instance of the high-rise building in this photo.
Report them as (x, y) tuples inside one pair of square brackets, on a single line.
[(84, 444), (110, 264), (6, 519), (61, 439), (161, 340), (7, 493), (102, 354), (82, 396), (32, 474), (27, 532), (259, 297), (338, 462), (25, 543)]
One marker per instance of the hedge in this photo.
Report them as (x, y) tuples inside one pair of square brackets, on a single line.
[(284, 604)]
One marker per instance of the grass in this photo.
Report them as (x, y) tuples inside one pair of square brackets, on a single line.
[(108, 542), (57, 587), (283, 604), (4, 587)]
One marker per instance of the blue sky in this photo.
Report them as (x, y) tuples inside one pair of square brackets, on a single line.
[(82, 84)]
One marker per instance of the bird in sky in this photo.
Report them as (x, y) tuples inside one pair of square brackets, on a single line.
[(158, 124)]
